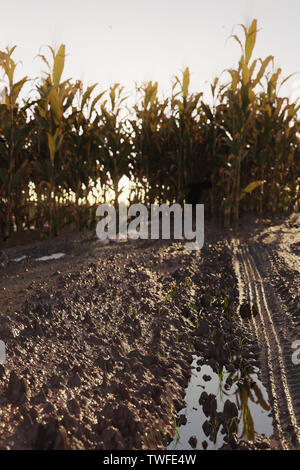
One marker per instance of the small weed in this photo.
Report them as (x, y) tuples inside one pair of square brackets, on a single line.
[(214, 426), (161, 310), (242, 366), (225, 306), (212, 334), (231, 426), (176, 430), (220, 373)]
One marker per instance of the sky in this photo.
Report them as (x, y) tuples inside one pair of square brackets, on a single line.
[(137, 40)]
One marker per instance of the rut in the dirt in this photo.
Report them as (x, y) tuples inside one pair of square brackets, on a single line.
[(274, 329)]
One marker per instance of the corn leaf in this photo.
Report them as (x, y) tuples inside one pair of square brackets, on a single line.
[(55, 106), (250, 187), (87, 94), (185, 83), (264, 65), (250, 40), (51, 146), (58, 65)]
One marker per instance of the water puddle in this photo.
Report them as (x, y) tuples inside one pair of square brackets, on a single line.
[(248, 395), (43, 258), (54, 256), (18, 260)]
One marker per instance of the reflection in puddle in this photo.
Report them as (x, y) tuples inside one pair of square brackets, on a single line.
[(247, 396)]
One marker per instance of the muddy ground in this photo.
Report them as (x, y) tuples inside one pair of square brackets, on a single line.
[(99, 343)]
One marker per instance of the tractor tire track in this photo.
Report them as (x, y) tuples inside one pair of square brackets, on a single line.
[(273, 328)]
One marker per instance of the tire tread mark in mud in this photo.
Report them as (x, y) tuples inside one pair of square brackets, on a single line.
[(273, 369), (284, 318)]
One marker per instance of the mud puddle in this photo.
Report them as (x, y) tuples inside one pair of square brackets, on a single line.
[(209, 427), (42, 258), (50, 257)]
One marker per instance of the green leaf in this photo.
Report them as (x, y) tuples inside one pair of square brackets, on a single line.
[(246, 74), (234, 78), (55, 107), (237, 39), (96, 99), (185, 82), (287, 78), (58, 66), (207, 111), (250, 187), (87, 94), (250, 41), (51, 146), (17, 88), (264, 65)]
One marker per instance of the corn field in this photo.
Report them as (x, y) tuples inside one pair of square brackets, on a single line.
[(66, 148)]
